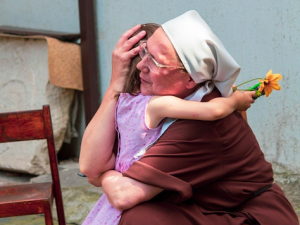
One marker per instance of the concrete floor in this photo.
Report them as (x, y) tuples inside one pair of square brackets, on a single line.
[(24, 220), (77, 194)]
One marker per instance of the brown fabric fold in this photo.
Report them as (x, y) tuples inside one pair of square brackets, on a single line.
[(154, 177)]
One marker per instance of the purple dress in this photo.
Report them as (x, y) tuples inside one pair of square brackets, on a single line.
[(134, 138)]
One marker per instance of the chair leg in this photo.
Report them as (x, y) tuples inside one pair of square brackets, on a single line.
[(60, 210), (48, 214)]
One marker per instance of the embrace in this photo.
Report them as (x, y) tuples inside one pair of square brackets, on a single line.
[(168, 145)]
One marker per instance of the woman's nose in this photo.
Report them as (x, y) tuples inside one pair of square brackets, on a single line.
[(143, 66)]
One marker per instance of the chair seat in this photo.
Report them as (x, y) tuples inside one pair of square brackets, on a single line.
[(25, 199)]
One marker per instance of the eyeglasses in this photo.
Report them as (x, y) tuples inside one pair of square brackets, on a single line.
[(153, 65)]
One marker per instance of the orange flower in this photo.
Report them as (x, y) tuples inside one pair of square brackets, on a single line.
[(269, 83)]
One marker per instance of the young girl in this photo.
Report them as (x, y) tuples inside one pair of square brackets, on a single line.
[(139, 121)]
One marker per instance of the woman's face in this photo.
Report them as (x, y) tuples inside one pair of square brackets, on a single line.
[(167, 81)]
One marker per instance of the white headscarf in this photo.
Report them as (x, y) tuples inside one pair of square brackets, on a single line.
[(201, 52)]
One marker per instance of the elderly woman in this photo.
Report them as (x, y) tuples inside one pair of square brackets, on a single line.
[(197, 172)]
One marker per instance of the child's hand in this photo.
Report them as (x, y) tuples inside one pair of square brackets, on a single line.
[(243, 99)]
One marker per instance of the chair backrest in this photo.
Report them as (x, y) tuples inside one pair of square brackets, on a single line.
[(32, 125), (24, 125)]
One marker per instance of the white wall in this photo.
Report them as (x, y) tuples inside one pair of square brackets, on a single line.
[(54, 15)]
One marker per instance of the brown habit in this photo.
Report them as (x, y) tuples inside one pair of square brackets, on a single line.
[(208, 170)]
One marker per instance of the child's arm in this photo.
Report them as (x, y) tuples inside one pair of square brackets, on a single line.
[(123, 192), (160, 107)]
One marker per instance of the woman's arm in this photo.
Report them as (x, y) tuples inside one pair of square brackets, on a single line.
[(160, 107), (123, 192), (96, 154)]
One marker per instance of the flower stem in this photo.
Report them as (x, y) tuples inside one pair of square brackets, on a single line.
[(248, 81), (245, 89), (255, 87)]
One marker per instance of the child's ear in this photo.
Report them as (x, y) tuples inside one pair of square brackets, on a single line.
[(191, 83)]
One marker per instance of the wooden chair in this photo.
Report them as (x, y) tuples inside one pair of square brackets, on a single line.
[(27, 199)]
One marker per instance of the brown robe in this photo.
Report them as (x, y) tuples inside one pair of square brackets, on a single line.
[(208, 170)]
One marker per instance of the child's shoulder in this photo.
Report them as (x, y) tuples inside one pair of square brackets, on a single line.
[(131, 98)]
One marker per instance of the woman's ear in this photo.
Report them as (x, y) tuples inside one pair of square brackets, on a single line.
[(191, 83)]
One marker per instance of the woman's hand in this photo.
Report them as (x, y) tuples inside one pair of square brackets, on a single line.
[(244, 99), (122, 55)]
